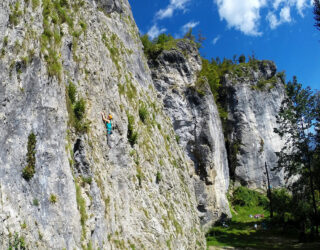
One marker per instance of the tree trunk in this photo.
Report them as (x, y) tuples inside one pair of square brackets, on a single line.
[(269, 191)]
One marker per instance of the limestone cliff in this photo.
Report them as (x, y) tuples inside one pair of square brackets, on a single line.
[(61, 186), (197, 124), (253, 95)]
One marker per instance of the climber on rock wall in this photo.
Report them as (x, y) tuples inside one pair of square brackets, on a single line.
[(108, 124)]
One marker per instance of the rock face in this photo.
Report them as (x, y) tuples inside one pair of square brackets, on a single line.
[(61, 64), (253, 100), (197, 124)]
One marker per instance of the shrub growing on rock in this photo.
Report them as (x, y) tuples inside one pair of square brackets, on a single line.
[(143, 113), (29, 170), (243, 196), (132, 135)]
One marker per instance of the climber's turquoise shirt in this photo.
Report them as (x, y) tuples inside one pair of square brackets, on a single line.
[(109, 127)]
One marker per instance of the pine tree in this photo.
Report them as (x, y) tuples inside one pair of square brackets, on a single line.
[(296, 121), (316, 12)]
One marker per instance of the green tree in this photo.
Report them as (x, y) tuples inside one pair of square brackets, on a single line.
[(191, 37), (163, 38), (296, 121), (316, 11), (316, 158), (242, 59)]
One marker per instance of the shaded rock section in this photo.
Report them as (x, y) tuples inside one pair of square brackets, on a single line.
[(197, 125), (253, 97), (110, 6)]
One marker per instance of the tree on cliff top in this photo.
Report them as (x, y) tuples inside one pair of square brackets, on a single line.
[(316, 12), (297, 121)]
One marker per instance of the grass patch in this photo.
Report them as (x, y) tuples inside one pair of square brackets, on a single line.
[(29, 171), (158, 177), (35, 202), (53, 198), (35, 4), (18, 242), (265, 84), (16, 13), (112, 44), (82, 209), (143, 113), (163, 42), (241, 232), (132, 134), (87, 180), (55, 13), (76, 109), (140, 175)]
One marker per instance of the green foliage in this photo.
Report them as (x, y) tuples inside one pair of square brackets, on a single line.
[(282, 202), (261, 145), (76, 109), (83, 25), (143, 113), (163, 42), (233, 151), (3, 52), (79, 109), (53, 198), (282, 76), (35, 202), (298, 117), (55, 12), (82, 208), (29, 171), (87, 180), (210, 72), (132, 134), (24, 225), (158, 177), (131, 90), (316, 12), (243, 196), (139, 175), (265, 84), (112, 44), (35, 4), (177, 138), (18, 242), (5, 41), (72, 92), (192, 38), (242, 59), (16, 13), (54, 65)]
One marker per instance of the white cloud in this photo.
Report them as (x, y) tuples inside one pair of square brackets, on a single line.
[(277, 3), (154, 31), (169, 10), (300, 5), (273, 21), (242, 15), (285, 17), (216, 39), (190, 25)]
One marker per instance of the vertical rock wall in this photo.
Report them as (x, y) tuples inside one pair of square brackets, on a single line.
[(253, 102), (137, 194), (197, 124)]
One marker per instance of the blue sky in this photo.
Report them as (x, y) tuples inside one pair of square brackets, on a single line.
[(278, 30)]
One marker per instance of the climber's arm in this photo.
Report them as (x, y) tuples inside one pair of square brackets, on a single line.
[(103, 117)]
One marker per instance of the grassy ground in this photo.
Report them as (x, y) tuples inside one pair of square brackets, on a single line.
[(241, 233)]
